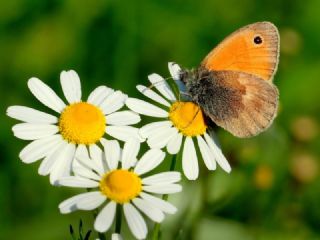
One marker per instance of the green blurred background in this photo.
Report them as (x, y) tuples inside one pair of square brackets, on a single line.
[(273, 191)]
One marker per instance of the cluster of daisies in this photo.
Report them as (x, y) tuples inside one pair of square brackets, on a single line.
[(92, 145)]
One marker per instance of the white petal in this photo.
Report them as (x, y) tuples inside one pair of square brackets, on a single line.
[(112, 153), (82, 171), (145, 108), (151, 128), (206, 153), (149, 161), (162, 178), (105, 217), (174, 144), (30, 131), (220, 158), (189, 160), (162, 86), (174, 70), (80, 151), (123, 118), (123, 133), (62, 166), (135, 221), (97, 96), (77, 182), (69, 205), (148, 209), (161, 138), (129, 153), (45, 95), (116, 236), (113, 102), (91, 201), (163, 189), (71, 86), (88, 163), (40, 148), (152, 95), (30, 115), (159, 203), (47, 164), (97, 156)]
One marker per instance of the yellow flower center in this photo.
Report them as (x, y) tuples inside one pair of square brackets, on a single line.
[(121, 185), (188, 118), (82, 123)]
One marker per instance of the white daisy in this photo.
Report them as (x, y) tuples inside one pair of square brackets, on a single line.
[(121, 185), (78, 124), (181, 125)]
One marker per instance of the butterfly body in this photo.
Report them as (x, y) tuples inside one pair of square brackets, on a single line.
[(233, 84)]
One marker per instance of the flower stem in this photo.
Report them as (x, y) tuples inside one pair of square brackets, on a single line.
[(118, 219), (156, 228)]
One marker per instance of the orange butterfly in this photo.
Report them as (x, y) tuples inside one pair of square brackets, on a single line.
[(233, 84)]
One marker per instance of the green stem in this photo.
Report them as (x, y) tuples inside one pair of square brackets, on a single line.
[(118, 219), (156, 228), (101, 236)]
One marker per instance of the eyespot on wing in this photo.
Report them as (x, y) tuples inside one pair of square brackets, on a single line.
[(252, 49)]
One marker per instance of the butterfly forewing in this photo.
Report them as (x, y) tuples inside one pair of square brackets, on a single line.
[(253, 49)]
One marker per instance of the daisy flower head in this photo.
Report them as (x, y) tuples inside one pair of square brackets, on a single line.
[(119, 183), (55, 138), (181, 124)]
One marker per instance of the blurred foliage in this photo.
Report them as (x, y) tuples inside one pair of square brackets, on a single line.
[(273, 191)]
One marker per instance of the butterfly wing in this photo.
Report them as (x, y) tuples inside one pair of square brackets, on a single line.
[(253, 49), (239, 102)]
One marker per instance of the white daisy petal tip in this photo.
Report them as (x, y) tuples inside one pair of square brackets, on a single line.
[(189, 160), (30, 115), (135, 221), (228, 170), (123, 118), (216, 151), (148, 92), (116, 236), (129, 154), (162, 86), (113, 102), (174, 70), (145, 108), (155, 78), (154, 213), (71, 85), (150, 160), (45, 94), (105, 217), (32, 80)]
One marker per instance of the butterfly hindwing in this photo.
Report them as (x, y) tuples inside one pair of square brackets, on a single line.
[(241, 103)]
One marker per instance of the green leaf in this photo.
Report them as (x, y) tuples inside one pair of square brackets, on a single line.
[(72, 232), (87, 235)]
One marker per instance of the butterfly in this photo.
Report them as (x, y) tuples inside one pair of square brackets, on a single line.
[(233, 84)]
